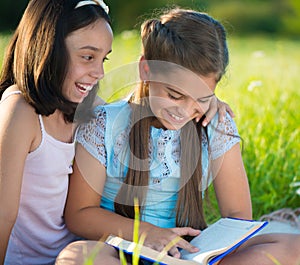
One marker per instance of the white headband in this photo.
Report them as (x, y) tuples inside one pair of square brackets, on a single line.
[(93, 2)]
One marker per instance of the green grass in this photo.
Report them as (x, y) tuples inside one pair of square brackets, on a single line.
[(4, 38), (262, 87), (267, 117)]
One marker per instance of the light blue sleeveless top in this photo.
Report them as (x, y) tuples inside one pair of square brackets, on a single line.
[(106, 138)]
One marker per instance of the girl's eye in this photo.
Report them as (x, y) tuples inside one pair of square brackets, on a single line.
[(87, 57), (203, 100), (174, 97), (105, 59)]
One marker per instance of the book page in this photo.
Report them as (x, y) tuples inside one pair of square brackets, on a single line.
[(221, 236), (146, 253)]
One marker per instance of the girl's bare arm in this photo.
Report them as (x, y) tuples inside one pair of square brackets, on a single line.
[(231, 185), (16, 137)]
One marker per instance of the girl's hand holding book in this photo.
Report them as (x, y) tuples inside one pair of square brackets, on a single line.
[(170, 239)]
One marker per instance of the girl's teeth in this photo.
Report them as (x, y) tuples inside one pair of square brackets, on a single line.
[(85, 87), (176, 117)]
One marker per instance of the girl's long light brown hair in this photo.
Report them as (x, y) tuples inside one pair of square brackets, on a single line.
[(195, 41)]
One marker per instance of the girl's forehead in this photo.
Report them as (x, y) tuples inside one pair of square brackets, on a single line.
[(186, 82), (98, 35)]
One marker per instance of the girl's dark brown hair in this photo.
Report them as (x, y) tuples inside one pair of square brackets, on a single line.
[(195, 41), (36, 58)]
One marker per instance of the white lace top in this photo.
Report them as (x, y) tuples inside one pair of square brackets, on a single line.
[(106, 138)]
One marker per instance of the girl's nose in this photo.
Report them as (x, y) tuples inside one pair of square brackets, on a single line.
[(97, 71), (192, 108)]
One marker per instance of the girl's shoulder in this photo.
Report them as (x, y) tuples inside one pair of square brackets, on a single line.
[(108, 117), (222, 136), (99, 135), (115, 110), (227, 126), (18, 119), (114, 106), (15, 108)]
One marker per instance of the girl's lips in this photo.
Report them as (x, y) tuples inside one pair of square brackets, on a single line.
[(175, 118), (83, 88)]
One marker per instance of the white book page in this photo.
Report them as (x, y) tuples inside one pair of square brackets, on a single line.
[(220, 236)]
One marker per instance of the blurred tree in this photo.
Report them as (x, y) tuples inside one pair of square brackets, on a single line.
[(244, 17), (129, 15), (239, 16), (291, 19), (11, 13)]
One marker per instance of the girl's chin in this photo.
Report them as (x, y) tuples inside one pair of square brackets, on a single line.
[(171, 123), (171, 126), (79, 99)]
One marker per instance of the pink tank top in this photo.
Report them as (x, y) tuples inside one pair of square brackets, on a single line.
[(40, 233)]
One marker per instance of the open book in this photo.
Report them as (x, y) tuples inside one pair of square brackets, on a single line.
[(215, 242)]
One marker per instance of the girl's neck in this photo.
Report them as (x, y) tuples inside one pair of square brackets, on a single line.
[(157, 124), (56, 126)]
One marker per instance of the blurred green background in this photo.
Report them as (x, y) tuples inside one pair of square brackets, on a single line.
[(241, 16), (261, 85)]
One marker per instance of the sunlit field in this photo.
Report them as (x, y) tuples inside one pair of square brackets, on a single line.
[(262, 86)]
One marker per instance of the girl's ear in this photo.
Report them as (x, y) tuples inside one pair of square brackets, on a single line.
[(144, 69)]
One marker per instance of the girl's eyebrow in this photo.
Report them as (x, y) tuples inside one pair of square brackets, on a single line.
[(88, 47), (92, 48), (209, 96), (199, 99), (175, 91)]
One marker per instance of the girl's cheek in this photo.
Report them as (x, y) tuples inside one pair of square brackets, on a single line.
[(204, 107)]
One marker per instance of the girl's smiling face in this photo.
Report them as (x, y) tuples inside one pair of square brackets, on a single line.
[(88, 48), (178, 98)]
